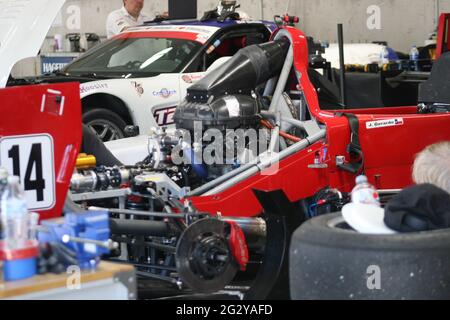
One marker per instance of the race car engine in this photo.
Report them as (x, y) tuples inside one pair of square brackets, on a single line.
[(224, 109)]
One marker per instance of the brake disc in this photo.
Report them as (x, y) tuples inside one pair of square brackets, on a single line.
[(203, 256)]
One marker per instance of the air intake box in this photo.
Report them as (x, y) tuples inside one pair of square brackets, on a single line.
[(227, 112)]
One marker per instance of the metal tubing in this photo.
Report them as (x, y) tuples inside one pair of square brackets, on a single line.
[(138, 213), (232, 174), (270, 87), (281, 85), (255, 169), (275, 140), (222, 179), (109, 244), (342, 64), (294, 122), (142, 265), (161, 247)]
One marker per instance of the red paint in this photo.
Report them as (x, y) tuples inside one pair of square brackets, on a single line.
[(238, 245), (31, 250), (21, 115), (160, 34)]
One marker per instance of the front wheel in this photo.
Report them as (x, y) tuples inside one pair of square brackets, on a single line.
[(106, 124)]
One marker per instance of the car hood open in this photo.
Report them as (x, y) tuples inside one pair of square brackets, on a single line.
[(23, 27)]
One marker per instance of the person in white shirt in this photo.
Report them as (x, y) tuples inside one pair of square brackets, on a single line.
[(130, 15)]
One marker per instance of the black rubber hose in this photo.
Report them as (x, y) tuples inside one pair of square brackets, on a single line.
[(93, 145), (139, 227)]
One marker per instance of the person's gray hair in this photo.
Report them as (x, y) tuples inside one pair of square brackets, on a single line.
[(432, 165)]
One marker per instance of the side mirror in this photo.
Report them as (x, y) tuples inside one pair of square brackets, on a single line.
[(131, 131)]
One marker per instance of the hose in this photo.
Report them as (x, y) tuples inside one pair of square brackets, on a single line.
[(283, 134)]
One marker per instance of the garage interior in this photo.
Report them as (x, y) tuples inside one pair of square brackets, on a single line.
[(225, 150)]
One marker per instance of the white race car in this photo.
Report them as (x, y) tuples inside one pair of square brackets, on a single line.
[(141, 75)]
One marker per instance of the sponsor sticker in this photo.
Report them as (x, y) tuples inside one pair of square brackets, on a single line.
[(385, 123), (138, 87), (164, 93), (91, 87), (164, 116), (202, 38), (51, 64), (191, 78)]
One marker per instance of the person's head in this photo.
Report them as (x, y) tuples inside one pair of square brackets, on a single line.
[(134, 7), (432, 165)]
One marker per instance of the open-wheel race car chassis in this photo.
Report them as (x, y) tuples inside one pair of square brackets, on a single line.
[(243, 218)]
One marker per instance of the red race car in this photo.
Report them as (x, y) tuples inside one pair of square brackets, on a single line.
[(198, 224)]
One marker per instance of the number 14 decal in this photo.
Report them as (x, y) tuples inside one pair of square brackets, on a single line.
[(35, 161), (32, 159)]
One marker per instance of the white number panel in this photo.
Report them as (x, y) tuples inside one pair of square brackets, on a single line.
[(32, 159)]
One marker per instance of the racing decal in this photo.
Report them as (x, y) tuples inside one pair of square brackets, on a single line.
[(191, 78), (203, 30), (31, 159), (157, 34), (385, 123), (249, 21), (178, 28), (202, 38), (93, 86), (138, 87), (164, 93), (164, 116)]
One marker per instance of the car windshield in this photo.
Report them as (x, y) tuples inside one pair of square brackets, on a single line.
[(135, 57)]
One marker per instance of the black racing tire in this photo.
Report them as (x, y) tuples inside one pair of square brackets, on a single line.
[(328, 261), (107, 124)]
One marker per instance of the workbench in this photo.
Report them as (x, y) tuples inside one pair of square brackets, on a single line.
[(109, 282)]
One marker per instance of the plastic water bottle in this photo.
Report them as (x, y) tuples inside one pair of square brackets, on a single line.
[(3, 183), (414, 58), (14, 214), (384, 56), (365, 193), (3, 179)]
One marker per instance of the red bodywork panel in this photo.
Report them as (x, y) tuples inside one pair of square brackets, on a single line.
[(160, 34), (46, 111), (389, 151)]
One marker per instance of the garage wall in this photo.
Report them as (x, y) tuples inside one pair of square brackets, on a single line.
[(402, 23)]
